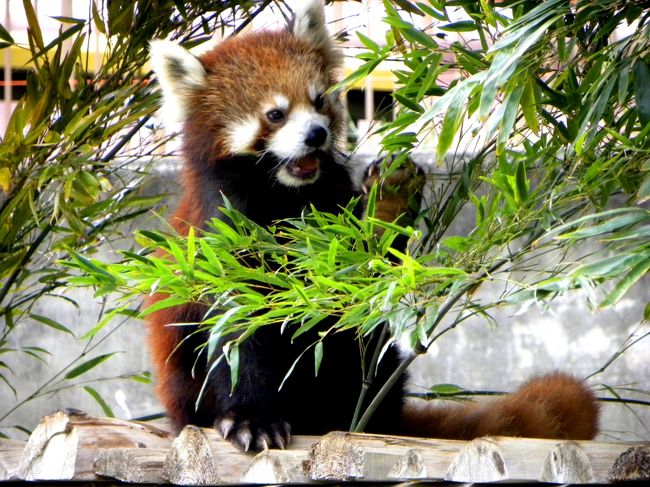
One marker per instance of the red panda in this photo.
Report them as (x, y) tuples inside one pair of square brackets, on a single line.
[(261, 129)]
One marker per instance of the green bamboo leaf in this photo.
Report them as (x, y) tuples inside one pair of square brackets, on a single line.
[(623, 83), (416, 36), (232, 357), (191, 248), (529, 106), (408, 103), (51, 323), (409, 7), (293, 366), (433, 70), (608, 226), (32, 23), (508, 53), (368, 42), (509, 116), (5, 36), (631, 278), (69, 20), (163, 304), (97, 18), (446, 389), (521, 182), (428, 10), (643, 193), (359, 74), (450, 125), (88, 365), (642, 90), (608, 267), (460, 26), (108, 412), (318, 357)]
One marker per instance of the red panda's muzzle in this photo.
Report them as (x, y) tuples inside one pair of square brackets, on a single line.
[(305, 168)]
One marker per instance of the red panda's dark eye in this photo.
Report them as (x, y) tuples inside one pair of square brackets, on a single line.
[(319, 101), (275, 115)]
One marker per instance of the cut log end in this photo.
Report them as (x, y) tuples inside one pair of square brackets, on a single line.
[(633, 464), (190, 460), (567, 463), (335, 457)]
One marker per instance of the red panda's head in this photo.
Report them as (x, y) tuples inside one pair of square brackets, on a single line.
[(261, 94)]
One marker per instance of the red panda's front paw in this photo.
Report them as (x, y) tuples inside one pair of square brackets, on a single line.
[(254, 434), (399, 193)]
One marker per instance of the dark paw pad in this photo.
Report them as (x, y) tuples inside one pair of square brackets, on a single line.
[(254, 434)]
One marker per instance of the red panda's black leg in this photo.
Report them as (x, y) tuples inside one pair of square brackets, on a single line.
[(251, 415)]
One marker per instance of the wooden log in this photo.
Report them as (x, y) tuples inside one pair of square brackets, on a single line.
[(633, 464), (348, 456), (525, 459), (11, 451), (199, 456), (64, 444), (353, 456), (69, 445), (134, 465)]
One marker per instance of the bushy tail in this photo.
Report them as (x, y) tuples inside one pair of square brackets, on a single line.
[(550, 406)]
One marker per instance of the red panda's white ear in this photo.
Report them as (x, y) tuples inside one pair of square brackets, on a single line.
[(178, 73), (308, 23)]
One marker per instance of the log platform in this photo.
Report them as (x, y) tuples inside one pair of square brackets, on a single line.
[(72, 446)]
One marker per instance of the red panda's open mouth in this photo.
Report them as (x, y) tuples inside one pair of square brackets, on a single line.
[(305, 167)]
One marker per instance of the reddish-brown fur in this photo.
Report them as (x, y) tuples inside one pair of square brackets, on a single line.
[(551, 406)]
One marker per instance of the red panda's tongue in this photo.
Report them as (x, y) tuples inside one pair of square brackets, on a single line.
[(305, 167)]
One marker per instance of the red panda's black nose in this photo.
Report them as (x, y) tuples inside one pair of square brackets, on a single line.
[(316, 136)]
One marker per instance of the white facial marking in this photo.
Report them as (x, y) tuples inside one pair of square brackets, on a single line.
[(289, 141), (281, 102), (314, 91), (242, 135)]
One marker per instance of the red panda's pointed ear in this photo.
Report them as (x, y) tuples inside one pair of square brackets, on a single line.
[(308, 23), (179, 73)]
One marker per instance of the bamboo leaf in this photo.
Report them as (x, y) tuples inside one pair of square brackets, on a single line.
[(108, 412), (232, 357), (631, 278), (460, 26), (529, 105), (32, 22), (608, 226), (318, 357), (5, 36), (88, 365), (51, 323), (642, 90)]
